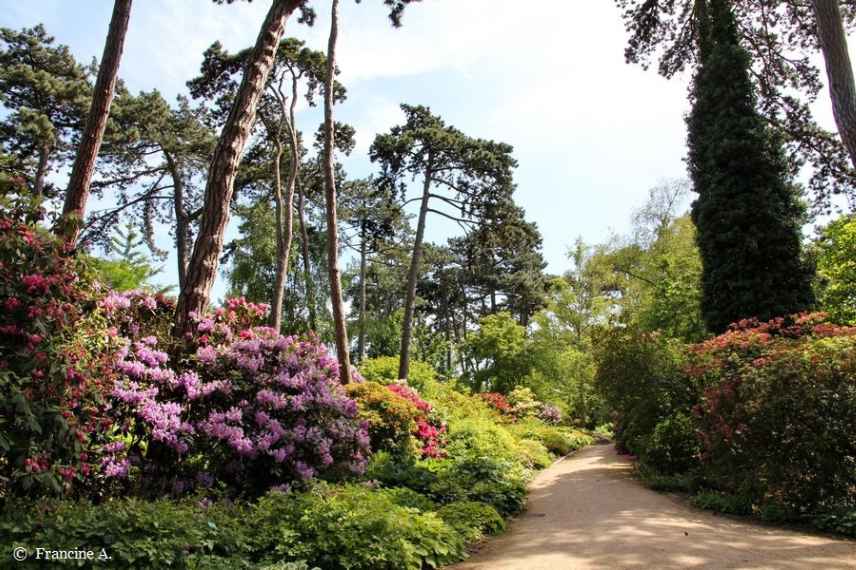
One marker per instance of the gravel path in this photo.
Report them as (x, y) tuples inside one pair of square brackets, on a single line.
[(586, 512)]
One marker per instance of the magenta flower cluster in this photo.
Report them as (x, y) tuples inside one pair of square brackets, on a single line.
[(253, 407)]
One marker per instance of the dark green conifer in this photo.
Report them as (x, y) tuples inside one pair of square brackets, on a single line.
[(747, 213)]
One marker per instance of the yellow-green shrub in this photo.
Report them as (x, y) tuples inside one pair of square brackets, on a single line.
[(391, 418), (384, 370)]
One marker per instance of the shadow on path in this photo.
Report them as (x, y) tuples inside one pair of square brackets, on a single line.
[(586, 512)]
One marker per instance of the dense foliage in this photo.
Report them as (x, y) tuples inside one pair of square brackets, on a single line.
[(222, 443), (57, 365), (747, 214), (149, 434), (836, 250), (760, 418)]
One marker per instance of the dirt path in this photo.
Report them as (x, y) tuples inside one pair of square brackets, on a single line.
[(586, 512)]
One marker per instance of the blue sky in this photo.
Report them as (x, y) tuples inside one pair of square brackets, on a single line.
[(591, 133)]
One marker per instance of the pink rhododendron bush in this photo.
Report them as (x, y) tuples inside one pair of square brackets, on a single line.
[(762, 414), (56, 366), (248, 408), (98, 398)]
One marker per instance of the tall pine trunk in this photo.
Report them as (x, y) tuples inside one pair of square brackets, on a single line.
[(77, 193), (307, 271), (281, 249), (285, 209), (330, 192), (839, 71), (204, 262), (361, 343), (182, 220), (412, 277)]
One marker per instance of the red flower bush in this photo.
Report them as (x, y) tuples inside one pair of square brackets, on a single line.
[(430, 431), (56, 365), (776, 417), (497, 401)]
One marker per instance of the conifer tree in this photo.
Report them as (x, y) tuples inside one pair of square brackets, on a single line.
[(747, 213)]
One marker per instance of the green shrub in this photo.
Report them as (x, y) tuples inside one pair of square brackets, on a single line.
[(384, 370), (606, 430), (330, 527), (842, 522), (470, 437), (558, 441), (500, 483), (391, 418), (523, 402), (136, 534), (723, 503), (674, 446), (641, 376), (666, 483), (472, 520), (353, 527), (534, 453), (404, 497), (396, 471)]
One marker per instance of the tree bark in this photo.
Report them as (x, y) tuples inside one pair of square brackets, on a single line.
[(361, 343), (202, 269), (285, 207), (182, 220), (77, 193), (413, 275), (281, 250), (307, 271), (839, 71), (330, 191), (41, 169)]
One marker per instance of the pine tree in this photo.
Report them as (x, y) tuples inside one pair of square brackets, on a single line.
[(747, 213)]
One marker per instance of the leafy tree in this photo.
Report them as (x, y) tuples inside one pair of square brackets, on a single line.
[(128, 268), (467, 174), (374, 216), (202, 268), (782, 38), (836, 269), (562, 368), (253, 254), (590, 298), (77, 193), (45, 94), (503, 262), (671, 270), (152, 163), (747, 214), (498, 349)]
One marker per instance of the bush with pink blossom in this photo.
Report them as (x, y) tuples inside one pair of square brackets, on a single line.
[(430, 430), (248, 408), (56, 365)]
